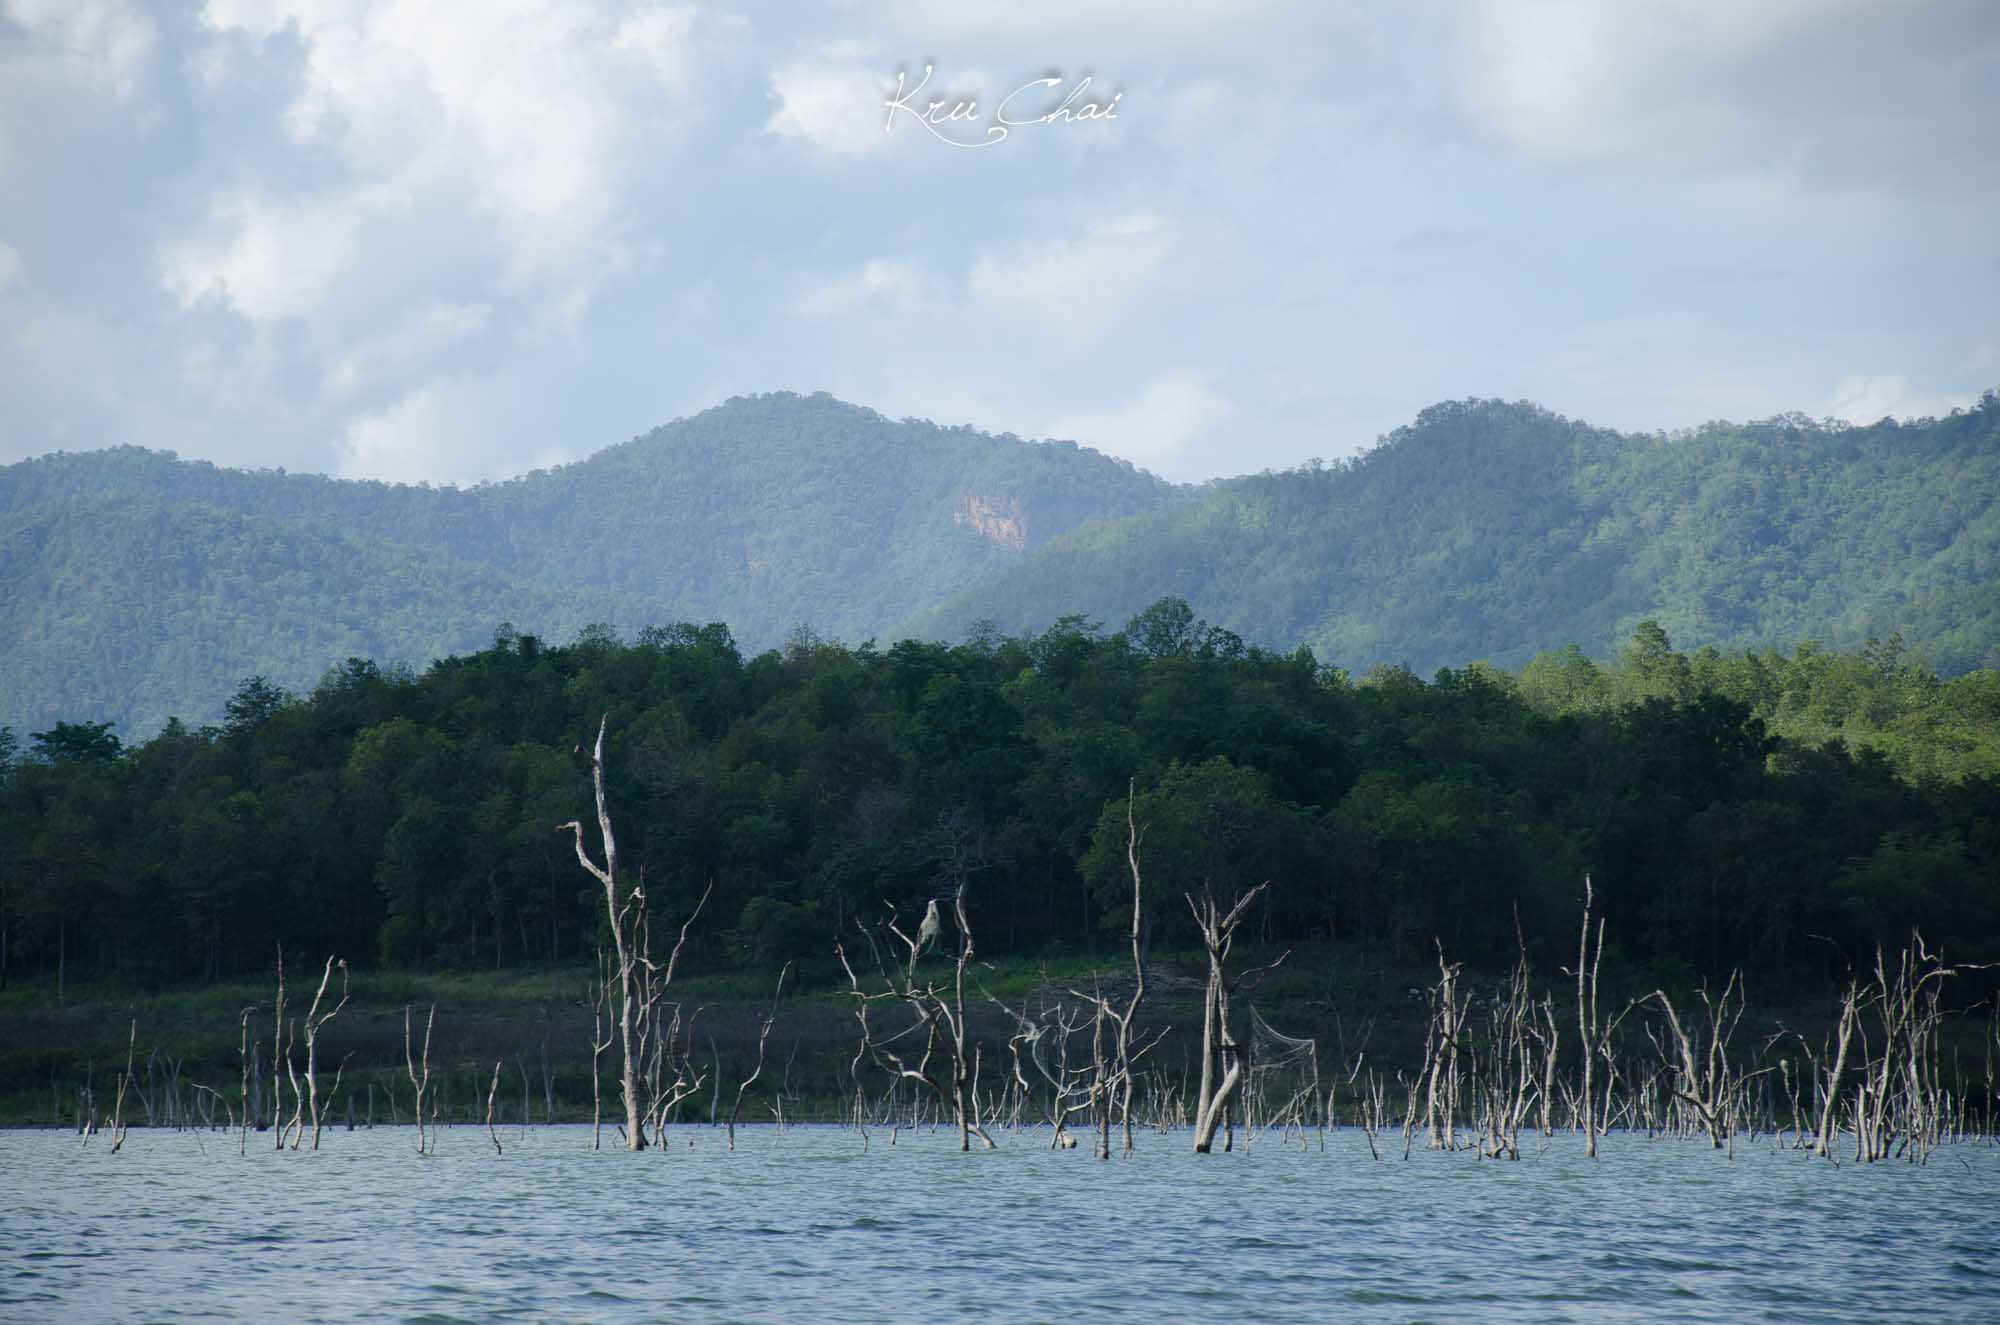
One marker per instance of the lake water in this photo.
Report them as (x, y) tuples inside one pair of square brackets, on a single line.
[(802, 1225)]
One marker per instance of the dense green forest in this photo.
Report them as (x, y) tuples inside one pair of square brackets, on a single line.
[(1485, 530), (135, 586), (1779, 811)]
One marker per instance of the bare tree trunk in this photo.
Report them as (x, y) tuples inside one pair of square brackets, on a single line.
[(1849, 1014), (619, 911), (1222, 1057), (1134, 835), (118, 1108), (277, 1058), (640, 983), (1586, 1018), (243, 1136), (420, 1082), (599, 1042), (960, 1078), (314, 1023), (491, 1091), (763, 1034)]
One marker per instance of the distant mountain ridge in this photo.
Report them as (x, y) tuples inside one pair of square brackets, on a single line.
[(764, 513), (1492, 530), (134, 585)]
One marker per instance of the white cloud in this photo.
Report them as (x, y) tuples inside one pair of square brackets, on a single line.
[(1074, 291), (11, 266), (470, 234), (669, 39), (451, 429), (832, 103), (1574, 77), (1872, 398), (416, 343), (438, 177), (266, 258), (418, 99), (112, 40), (1867, 93), (883, 287), (513, 128), (1171, 427)]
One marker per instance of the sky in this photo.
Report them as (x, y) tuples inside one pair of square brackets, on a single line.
[(456, 240)]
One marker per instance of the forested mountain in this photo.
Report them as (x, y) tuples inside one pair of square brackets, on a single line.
[(135, 586), (1491, 530)]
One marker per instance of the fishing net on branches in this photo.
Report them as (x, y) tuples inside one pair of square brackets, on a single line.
[(1282, 1085)]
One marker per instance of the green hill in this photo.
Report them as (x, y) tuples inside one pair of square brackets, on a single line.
[(132, 610), (134, 585), (1492, 530), (137, 585)]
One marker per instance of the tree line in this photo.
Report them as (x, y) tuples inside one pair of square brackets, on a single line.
[(1781, 812)]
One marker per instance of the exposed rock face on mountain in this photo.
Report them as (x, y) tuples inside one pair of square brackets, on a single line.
[(1493, 530), (137, 585), (134, 585)]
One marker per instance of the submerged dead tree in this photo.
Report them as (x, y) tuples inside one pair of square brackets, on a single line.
[(1222, 1053), (1589, 1026), (118, 1108), (1111, 1088), (641, 984), (1122, 1041), (420, 1080), (939, 1008), (1704, 1079), (315, 1022), (763, 1035)]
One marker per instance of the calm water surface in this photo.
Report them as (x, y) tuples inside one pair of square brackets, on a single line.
[(802, 1225)]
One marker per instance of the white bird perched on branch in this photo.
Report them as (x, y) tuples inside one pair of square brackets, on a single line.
[(927, 933)]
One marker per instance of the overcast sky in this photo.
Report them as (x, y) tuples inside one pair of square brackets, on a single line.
[(409, 239)]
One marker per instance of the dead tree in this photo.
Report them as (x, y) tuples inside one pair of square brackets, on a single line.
[(1221, 1053), (1122, 1040), (599, 1042), (1827, 1087), (1704, 1081), (626, 913), (1590, 1029), (292, 1130), (763, 1034), (1900, 1108), (938, 1007), (118, 1128), (420, 1082), (492, 1091), (1441, 1066), (619, 910), (1113, 1088), (243, 1136), (1046, 1040), (278, 1058), (666, 1047), (939, 1010), (315, 1022), (1513, 1043)]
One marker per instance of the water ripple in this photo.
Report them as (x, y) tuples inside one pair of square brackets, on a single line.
[(805, 1226)]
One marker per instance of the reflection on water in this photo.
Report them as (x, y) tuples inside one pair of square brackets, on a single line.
[(802, 1225)]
